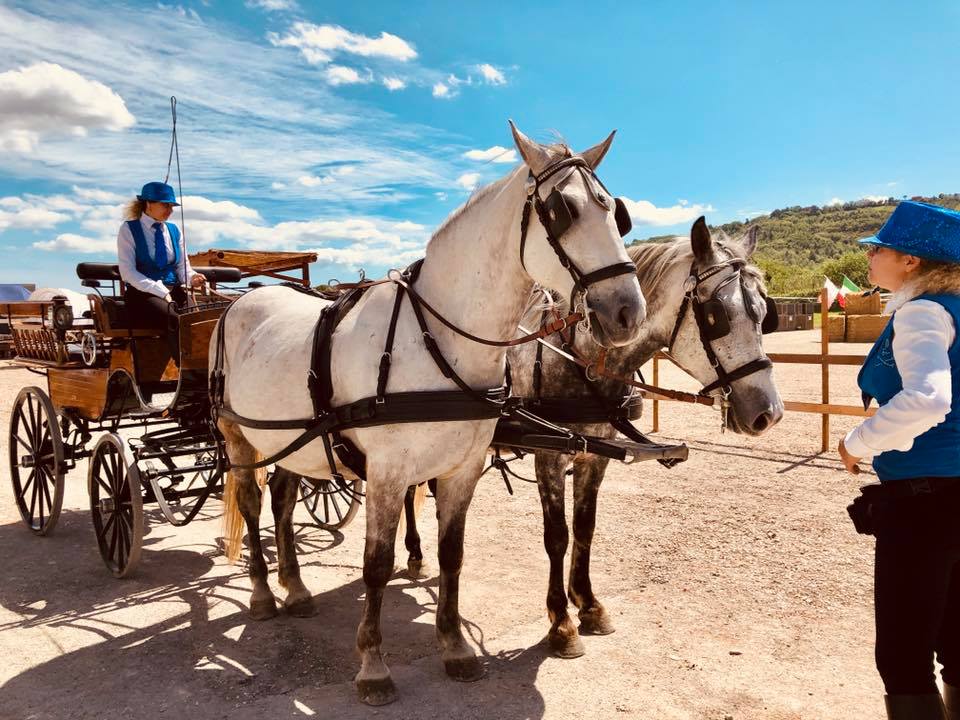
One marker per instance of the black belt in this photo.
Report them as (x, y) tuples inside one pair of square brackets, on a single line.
[(912, 487)]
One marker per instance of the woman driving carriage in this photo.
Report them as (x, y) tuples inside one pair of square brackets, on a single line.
[(153, 262)]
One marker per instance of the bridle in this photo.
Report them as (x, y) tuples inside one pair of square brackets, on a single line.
[(556, 215), (713, 323)]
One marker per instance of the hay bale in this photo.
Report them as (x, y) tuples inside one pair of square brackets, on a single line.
[(859, 304), (837, 328), (865, 328)]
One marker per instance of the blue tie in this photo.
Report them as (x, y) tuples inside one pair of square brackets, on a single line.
[(160, 248)]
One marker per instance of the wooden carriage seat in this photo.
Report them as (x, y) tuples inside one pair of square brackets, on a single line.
[(111, 312)]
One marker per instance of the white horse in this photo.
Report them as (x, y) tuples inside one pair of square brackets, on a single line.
[(478, 274)]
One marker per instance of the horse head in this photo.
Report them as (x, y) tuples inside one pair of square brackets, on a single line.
[(572, 239), (718, 337)]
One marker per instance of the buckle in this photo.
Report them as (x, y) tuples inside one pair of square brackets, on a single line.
[(921, 486)]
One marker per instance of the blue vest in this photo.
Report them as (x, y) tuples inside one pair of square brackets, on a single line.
[(146, 264), (935, 453)]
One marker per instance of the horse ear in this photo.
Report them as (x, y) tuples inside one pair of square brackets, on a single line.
[(750, 240), (534, 155), (700, 241), (594, 155)]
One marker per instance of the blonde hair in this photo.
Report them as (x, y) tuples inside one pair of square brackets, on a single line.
[(134, 209)]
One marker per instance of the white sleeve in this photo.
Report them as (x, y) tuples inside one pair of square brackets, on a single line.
[(127, 263), (923, 333)]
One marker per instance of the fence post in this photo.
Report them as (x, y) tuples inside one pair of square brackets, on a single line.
[(656, 403), (824, 368)]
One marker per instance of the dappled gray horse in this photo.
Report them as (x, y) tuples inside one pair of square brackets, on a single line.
[(718, 275)]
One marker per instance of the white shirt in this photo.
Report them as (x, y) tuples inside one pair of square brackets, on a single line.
[(127, 256), (923, 333)]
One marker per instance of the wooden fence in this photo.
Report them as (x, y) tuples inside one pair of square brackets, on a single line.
[(824, 408)]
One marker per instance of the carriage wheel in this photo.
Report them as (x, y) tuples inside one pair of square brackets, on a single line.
[(181, 501), (36, 460), (331, 506), (116, 504)]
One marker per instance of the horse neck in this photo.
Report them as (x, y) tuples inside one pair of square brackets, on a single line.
[(473, 276)]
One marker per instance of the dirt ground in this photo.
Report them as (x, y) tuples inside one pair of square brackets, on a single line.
[(738, 586)]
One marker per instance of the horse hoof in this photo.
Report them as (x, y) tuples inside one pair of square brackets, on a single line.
[(464, 669), (263, 609), (417, 570), (378, 691), (596, 623), (566, 646), (302, 608)]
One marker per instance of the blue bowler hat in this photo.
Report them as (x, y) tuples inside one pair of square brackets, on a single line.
[(920, 229), (158, 192)]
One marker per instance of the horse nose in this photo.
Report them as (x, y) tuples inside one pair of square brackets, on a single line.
[(631, 314), (761, 422)]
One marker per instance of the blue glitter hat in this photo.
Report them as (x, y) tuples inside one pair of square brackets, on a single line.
[(923, 230)]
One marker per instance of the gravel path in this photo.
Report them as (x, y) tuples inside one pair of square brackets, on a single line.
[(737, 583)]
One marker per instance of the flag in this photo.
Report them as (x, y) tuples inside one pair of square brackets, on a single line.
[(832, 291), (847, 286)]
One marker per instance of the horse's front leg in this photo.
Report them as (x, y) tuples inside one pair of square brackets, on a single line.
[(454, 494), (283, 499), (587, 475), (551, 474), (242, 495), (385, 493)]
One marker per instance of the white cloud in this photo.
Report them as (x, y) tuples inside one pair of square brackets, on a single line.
[(196, 207), (342, 75), (644, 212), (278, 185), (393, 83), (875, 198), (313, 180), (491, 75), (495, 154), (70, 243), (272, 5), (834, 201), (320, 43), (98, 196), (441, 91), (31, 218), (468, 181), (46, 98)]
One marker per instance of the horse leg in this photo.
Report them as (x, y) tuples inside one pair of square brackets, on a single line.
[(587, 476), (454, 494), (551, 480), (244, 488), (385, 494), (411, 509), (283, 499)]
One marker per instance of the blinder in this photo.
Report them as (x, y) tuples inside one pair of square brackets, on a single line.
[(771, 321), (716, 321), (560, 215), (622, 215)]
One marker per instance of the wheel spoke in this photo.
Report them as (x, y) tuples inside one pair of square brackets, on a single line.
[(108, 472), (33, 499), (47, 481), (105, 486), (106, 525), (23, 442), (113, 541), (23, 490)]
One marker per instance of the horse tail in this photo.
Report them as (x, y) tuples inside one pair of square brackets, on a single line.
[(233, 522)]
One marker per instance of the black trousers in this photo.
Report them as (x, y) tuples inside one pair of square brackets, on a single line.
[(917, 593), (149, 311)]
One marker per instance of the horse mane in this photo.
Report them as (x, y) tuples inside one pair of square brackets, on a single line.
[(557, 151), (655, 260)]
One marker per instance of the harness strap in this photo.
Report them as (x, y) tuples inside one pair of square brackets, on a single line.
[(387, 358)]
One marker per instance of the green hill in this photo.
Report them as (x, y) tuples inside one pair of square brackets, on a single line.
[(797, 246)]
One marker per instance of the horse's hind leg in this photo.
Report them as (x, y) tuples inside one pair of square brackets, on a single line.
[(283, 499), (587, 476), (244, 488), (385, 495), (453, 499), (411, 508), (551, 475)]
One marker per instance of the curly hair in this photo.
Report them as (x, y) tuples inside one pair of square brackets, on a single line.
[(134, 209)]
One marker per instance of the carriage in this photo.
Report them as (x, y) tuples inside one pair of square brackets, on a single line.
[(116, 397)]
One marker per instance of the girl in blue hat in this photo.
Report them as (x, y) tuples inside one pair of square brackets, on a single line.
[(913, 371), (154, 264)]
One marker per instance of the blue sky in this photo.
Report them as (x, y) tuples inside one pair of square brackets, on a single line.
[(353, 130)]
